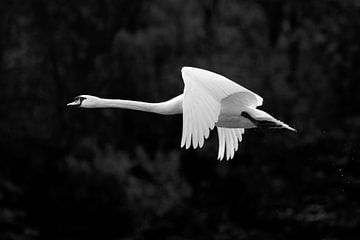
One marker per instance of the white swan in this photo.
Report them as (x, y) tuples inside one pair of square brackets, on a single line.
[(209, 100)]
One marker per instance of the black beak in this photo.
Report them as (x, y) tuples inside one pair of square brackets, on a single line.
[(73, 104)]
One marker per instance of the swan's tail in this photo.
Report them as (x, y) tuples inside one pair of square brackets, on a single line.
[(264, 120)]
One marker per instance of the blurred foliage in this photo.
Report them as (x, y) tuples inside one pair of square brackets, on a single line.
[(113, 174)]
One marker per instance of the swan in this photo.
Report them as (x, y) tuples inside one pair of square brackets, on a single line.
[(209, 100)]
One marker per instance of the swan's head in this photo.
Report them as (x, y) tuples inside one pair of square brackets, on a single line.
[(85, 101)]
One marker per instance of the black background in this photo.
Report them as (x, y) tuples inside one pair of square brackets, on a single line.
[(118, 174)]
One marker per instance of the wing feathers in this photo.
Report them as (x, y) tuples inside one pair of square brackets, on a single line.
[(228, 144), (221, 144), (229, 139), (202, 99)]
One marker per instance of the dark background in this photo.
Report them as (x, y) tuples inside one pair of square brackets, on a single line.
[(118, 174)]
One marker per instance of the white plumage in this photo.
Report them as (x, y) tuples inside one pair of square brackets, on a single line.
[(202, 103), (209, 100)]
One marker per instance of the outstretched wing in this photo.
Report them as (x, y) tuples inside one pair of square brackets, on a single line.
[(229, 139), (203, 93)]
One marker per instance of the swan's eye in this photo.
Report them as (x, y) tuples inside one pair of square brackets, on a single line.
[(79, 100)]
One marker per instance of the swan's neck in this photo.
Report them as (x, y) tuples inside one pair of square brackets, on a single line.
[(172, 106)]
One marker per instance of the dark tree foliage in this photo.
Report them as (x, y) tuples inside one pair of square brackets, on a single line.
[(116, 174)]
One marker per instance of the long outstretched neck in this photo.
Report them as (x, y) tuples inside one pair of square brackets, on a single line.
[(172, 106)]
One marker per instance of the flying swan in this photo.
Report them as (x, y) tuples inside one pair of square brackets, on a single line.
[(209, 100)]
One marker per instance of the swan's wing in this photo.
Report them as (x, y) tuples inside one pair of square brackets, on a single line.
[(229, 139), (260, 115), (203, 93)]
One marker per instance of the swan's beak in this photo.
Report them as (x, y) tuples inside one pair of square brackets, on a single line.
[(73, 104), (77, 102)]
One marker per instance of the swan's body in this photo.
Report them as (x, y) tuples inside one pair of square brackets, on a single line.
[(209, 100)]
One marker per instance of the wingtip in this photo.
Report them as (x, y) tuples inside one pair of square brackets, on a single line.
[(284, 125), (291, 129), (187, 144), (185, 68), (220, 157)]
